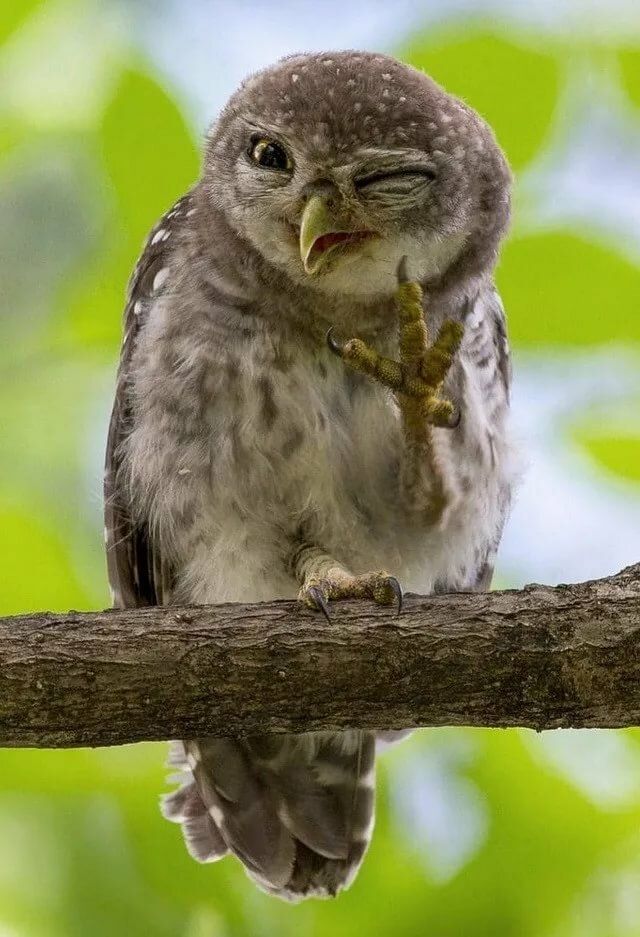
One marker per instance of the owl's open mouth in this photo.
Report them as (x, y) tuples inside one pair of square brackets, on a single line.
[(321, 234), (326, 242)]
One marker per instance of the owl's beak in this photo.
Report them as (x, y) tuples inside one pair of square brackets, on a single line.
[(320, 234)]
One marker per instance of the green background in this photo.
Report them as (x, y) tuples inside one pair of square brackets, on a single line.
[(479, 832)]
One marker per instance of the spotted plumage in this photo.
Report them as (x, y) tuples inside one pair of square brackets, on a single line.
[(247, 461)]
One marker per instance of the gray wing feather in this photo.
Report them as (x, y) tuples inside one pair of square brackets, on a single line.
[(496, 330), (501, 342), (138, 576)]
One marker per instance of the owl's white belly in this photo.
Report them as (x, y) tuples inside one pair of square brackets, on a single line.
[(321, 461)]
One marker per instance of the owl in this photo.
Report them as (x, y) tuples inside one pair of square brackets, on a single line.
[(312, 403)]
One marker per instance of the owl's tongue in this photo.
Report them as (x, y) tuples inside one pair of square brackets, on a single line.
[(325, 241)]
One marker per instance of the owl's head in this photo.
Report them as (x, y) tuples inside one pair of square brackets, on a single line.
[(334, 166)]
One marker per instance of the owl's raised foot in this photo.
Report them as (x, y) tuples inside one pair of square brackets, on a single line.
[(316, 593), (418, 376)]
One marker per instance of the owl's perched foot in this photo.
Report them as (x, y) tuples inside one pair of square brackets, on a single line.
[(418, 377), (317, 592), (324, 579)]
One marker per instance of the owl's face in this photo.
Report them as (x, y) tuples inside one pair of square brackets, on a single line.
[(334, 167)]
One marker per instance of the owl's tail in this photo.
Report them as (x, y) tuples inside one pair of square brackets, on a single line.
[(297, 810)]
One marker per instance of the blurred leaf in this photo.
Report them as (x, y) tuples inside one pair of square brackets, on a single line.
[(148, 151), (630, 70), (559, 289), (618, 454), (13, 15), (515, 88), (37, 573), (56, 71), (12, 134), (150, 159)]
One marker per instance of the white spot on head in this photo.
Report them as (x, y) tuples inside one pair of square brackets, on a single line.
[(294, 78), (387, 76), (446, 118), (160, 278), (327, 61), (191, 212), (351, 83), (402, 99), (159, 235), (137, 307), (357, 107)]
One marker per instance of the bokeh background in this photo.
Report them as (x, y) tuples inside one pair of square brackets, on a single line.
[(102, 106)]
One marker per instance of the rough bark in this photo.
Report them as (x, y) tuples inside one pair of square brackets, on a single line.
[(541, 657)]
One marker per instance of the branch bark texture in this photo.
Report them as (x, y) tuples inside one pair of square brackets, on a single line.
[(541, 657)]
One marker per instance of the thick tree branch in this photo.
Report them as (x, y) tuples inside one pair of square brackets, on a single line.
[(541, 657)]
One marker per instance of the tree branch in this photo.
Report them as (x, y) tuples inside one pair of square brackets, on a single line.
[(541, 657)]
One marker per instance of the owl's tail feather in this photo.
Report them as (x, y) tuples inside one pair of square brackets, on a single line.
[(201, 836), (296, 810)]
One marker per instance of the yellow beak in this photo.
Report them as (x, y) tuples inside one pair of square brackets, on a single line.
[(317, 220)]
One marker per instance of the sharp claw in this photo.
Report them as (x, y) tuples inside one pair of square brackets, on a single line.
[(397, 591), (320, 601), (335, 347), (403, 274)]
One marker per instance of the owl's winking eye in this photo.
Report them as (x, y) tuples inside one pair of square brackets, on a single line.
[(269, 154)]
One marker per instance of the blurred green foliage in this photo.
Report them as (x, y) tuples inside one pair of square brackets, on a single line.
[(546, 278), (612, 446), (629, 60), (495, 76), (83, 850)]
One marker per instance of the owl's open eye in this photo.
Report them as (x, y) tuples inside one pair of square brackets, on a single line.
[(269, 154)]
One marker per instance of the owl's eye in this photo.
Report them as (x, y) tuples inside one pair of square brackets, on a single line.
[(269, 154), (402, 179)]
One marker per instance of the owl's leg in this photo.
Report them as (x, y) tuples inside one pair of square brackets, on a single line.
[(417, 380), (323, 579)]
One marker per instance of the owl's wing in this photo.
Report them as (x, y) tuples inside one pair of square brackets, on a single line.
[(500, 341), (137, 574), (492, 343)]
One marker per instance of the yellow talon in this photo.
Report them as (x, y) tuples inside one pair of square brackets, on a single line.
[(421, 371)]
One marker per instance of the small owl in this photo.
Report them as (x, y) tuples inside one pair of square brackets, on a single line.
[(312, 402)]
